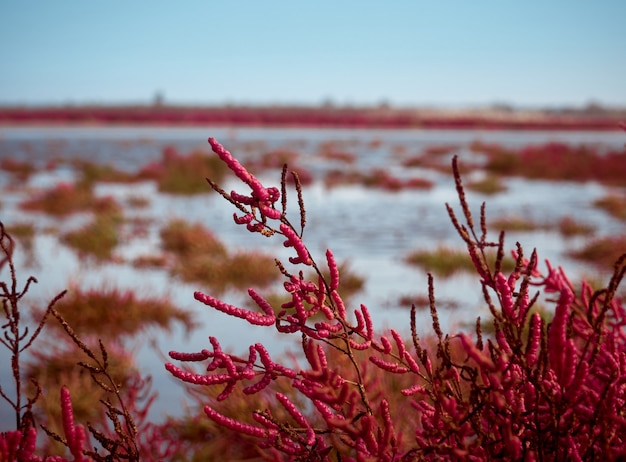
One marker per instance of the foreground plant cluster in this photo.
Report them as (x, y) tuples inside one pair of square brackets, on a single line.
[(528, 389)]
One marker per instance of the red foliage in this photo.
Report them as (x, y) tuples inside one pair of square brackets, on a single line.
[(557, 161), (533, 391), (356, 117)]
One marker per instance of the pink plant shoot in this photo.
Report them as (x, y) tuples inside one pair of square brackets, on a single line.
[(533, 389), (260, 197), (75, 434)]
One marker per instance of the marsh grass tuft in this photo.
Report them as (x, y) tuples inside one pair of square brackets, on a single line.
[(614, 204), (228, 272), (516, 223), (150, 261), (566, 226), (569, 227), (199, 256), (90, 173), (488, 185), (602, 252), (99, 238), (376, 178), (110, 312), (65, 199), (445, 261), (180, 174), (186, 240)]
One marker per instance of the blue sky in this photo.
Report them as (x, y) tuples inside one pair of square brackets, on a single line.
[(526, 53)]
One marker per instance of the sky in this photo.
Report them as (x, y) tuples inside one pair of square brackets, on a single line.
[(533, 53)]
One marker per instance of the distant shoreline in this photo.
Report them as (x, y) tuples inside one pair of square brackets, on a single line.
[(316, 117)]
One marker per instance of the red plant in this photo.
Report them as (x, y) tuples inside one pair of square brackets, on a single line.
[(557, 161), (532, 391), (129, 434)]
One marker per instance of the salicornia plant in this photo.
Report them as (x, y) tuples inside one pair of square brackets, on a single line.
[(543, 379), (17, 338), (531, 389), (128, 434)]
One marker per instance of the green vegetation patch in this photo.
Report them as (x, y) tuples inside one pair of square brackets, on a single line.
[(445, 261), (91, 172), (566, 226), (201, 257), (22, 231), (100, 237), (377, 178), (179, 174), (516, 223), (489, 185), (186, 240)]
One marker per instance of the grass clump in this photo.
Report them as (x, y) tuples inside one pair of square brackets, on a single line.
[(240, 271), (613, 204), (23, 231), (111, 312), (100, 237), (186, 240), (65, 199), (202, 257), (92, 172), (569, 227), (178, 174), (489, 185), (516, 223), (380, 178), (150, 261), (566, 226), (602, 252), (249, 268), (445, 261)]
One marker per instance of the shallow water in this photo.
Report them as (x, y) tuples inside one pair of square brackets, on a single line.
[(371, 229)]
